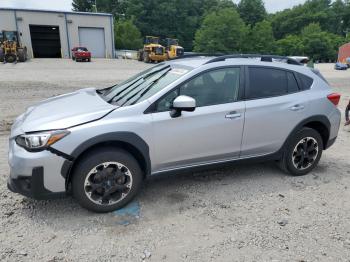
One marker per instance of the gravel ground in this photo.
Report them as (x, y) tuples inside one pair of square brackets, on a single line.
[(239, 213)]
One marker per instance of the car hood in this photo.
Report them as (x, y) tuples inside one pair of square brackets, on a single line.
[(63, 111)]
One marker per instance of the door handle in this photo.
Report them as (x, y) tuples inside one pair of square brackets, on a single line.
[(297, 107), (233, 115)]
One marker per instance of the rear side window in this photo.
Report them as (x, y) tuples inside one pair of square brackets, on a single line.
[(292, 83), (266, 82), (305, 82)]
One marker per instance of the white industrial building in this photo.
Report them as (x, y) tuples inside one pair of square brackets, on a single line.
[(52, 34)]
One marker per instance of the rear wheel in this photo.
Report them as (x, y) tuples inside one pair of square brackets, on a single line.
[(107, 179), (302, 153), (22, 55), (146, 57), (140, 55), (2, 56)]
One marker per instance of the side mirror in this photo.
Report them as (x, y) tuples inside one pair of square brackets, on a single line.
[(182, 103)]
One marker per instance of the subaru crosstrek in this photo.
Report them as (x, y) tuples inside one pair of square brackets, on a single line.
[(99, 145)]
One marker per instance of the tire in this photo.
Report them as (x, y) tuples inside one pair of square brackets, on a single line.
[(73, 58), (89, 59), (22, 57), (146, 58), (294, 161), (10, 58), (140, 55), (103, 178), (2, 56)]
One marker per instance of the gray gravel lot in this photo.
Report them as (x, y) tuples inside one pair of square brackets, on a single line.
[(238, 213)]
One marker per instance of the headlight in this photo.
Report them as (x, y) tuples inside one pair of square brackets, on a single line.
[(40, 141)]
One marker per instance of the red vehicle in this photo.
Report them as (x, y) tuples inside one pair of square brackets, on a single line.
[(81, 53)]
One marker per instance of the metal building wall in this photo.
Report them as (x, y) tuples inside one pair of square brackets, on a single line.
[(68, 23)]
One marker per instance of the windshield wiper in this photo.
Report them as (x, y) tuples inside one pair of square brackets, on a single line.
[(145, 89), (135, 81)]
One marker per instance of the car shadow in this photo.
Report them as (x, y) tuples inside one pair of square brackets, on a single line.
[(164, 195)]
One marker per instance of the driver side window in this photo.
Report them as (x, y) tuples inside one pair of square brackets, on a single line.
[(215, 87)]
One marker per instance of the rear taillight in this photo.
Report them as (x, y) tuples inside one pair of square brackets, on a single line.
[(334, 98)]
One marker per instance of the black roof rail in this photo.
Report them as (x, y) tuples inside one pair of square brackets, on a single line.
[(197, 55), (264, 58)]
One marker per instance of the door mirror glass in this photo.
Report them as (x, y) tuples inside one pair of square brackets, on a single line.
[(182, 103)]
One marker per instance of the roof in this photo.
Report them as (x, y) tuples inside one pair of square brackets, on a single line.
[(198, 61), (53, 11)]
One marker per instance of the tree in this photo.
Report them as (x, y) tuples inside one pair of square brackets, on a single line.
[(127, 35), (291, 45), (261, 39), (115, 7), (291, 21), (252, 11), (221, 31), (83, 5), (173, 18), (320, 45)]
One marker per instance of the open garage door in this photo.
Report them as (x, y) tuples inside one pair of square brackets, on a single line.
[(94, 40), (46, 42)]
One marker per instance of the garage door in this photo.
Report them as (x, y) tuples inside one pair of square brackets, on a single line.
[(93, 39), (46, 41)]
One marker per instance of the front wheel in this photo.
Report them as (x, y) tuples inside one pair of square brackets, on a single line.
[(302, 152), (106, 180)]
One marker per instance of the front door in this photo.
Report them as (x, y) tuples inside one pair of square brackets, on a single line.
[(212, 133)]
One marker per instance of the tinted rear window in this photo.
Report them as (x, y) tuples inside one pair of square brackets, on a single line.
[(305, 82), (266, 82), (292, 83)]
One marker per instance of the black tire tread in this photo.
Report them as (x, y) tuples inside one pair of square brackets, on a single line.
[(94, 158), (285, 165)]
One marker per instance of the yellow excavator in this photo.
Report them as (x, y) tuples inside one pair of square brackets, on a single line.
[(173, 49), (152, 51), (11, 51)]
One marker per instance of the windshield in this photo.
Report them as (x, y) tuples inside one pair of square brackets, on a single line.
[(143, 85), (82, 49)]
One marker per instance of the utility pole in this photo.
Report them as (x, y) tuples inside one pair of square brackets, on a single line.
[(95, 6)]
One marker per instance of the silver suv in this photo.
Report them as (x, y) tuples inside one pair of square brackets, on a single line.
[(189, 113)]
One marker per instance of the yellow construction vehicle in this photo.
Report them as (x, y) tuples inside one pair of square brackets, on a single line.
[(152, 51), (11, 50), (173, 49)]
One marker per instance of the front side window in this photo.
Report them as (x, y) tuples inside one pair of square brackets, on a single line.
[(266, 82), (215, 87)]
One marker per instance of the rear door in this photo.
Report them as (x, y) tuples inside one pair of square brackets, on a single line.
[(213, 132), (274, 106)]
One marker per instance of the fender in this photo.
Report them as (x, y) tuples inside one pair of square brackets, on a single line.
[(121, 137), (317, 118)]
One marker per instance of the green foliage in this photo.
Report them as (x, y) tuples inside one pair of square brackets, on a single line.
[(221, 31), (313, 42), (319, 44), (316, 28), (333, 17), (291, 45), (127, 35), (252, 11), (261, 39), (115, 7), (83, 5), (174, 18)]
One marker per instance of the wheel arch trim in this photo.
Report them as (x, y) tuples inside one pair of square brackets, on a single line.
[(128, 138), (313, 119)]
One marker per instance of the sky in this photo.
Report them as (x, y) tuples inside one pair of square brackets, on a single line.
[(271, 5)]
